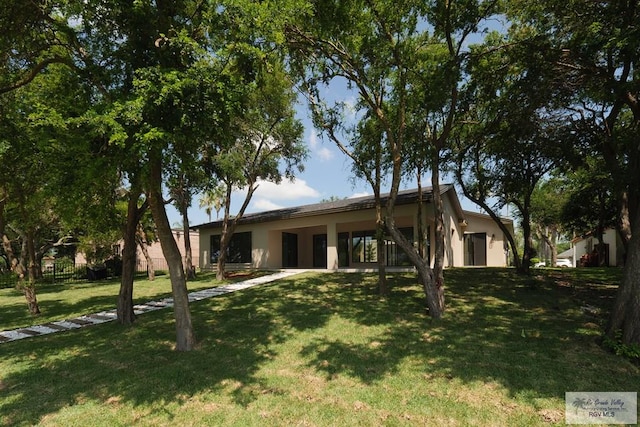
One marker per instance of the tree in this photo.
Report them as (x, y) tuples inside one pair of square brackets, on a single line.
[(143, 60), (32, 40), (165, 79), (268, 137), (380, 48), (145, 236), (213, 198), (596, 54), (33, 130), (136, 208), (370, 163), (511, 132), (548, 202), (181, 190), (363, 144), (590, 203)]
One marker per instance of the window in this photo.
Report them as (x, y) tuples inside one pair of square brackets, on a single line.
[(239, 250), (363, 246), (319, 251), (395, 255)]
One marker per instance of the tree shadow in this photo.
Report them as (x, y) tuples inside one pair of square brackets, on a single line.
[(496, 329), (138, 364)]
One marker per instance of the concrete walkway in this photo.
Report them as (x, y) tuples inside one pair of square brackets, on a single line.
[(111, 315)]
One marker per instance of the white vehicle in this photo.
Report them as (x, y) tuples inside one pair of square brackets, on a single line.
[(540, 264), (563, 262)]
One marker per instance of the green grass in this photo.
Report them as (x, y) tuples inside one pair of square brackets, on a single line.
[(324, 349), (60, 301)]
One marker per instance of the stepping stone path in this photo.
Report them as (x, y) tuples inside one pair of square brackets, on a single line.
[(110, 315)]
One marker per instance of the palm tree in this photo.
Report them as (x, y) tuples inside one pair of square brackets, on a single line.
[(212, 199)]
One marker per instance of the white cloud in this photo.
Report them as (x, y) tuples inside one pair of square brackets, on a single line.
[(317, 149), (356, 195), (265, 205), (324, 154), (350, 104), (313, 139), (286, 190)]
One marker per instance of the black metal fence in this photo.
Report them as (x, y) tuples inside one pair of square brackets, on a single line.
[(61, 272)]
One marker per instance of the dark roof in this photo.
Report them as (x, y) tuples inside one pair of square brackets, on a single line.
[(345, 205)]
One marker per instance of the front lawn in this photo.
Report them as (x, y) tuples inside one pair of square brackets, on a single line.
[(323, 349), (60, 301)]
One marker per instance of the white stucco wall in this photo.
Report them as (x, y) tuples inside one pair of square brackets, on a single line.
[(586, 245), (267, 236), (496, 240)]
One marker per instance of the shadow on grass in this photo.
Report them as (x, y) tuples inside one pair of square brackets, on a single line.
[(52, 303), (529, 335), (138, 364), (526, 336), (91, 297)]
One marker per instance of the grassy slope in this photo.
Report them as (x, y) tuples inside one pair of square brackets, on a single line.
[(323, 349)]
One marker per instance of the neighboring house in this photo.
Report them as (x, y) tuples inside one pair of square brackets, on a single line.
[(584, 248), (155, 250), (341, 235), (48, 263), (568, 254)]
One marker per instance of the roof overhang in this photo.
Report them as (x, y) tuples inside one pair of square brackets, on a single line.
[(346, 205)]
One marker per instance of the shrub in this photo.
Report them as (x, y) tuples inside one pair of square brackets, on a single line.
[(615, 344)]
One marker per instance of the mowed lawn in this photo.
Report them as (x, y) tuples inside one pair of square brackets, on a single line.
[(322, 349)]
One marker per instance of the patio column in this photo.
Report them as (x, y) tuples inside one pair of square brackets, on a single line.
[(332, 246)]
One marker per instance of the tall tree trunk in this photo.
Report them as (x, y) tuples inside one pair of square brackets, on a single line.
[(24, 284), (624, 222), (188, 255), (143, 244), (375, 182), (229, 225), (625, 314), (434, 295), (422, 250), (549, 236), (126, 315), (29, 291), (528, 250), (439, 232), (185, 339), (381, 249), (26, 277), (600, 229), (224, 237), (29, 288)]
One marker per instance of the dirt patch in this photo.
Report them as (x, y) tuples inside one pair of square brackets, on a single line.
[(551, 416), (236, 275)]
